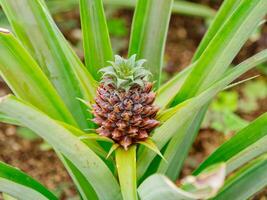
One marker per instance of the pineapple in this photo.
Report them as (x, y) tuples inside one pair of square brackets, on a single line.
[(123, 106)]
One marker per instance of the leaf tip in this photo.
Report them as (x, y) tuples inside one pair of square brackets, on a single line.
[(5, 31), (112, 149)]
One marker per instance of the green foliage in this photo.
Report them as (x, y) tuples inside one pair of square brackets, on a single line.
[(252, 92), (16, 183), (221, 114), (194, 187), (150, 17), (97, 45), (227, 100), (53, 90)]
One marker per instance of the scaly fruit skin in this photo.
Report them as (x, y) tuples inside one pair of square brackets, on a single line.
[(125, 113)]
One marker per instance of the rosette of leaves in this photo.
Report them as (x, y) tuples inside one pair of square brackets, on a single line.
[(52, 91)]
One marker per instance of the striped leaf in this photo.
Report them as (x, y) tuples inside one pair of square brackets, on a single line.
[(149, 32), (126, 165), (60, 138), (222, 49), (96, 42), (245, 145), (166, 131), (38, 32), (246, 181), (18, 184)]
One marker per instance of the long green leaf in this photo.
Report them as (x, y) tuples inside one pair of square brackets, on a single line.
[(8, 120), (37, 31), (149, 32), (126, 166), (223, 14), (33, 87), (222, 49), (158, 187), (84, 187), (204, 186), (246, 181), (166, 131), (8, 197), (179, 146), (81, 183), (76, 175), (16, 183), (89, 164), (167, 92), (96, 42), (177, 150), (242, 147), (27, 81)]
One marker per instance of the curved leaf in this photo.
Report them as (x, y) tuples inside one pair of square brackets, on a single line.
[(222, 15), (169, 90), (32, 85), (166, 131), (94, 136), (158, 187), (204, 186), (148, 143), (37, 31), (178, 148), (7, 197), (8, 120), (242, 147), (85, 188), (89, 164), (246, 181), (222, 49), (15, 183)]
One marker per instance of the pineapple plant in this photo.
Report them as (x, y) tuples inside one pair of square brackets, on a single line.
[(124, 107), (120, 132)]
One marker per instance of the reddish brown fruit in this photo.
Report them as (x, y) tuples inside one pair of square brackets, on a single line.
[(125, 117)]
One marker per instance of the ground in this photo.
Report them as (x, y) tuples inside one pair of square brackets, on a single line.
[(184, 35)]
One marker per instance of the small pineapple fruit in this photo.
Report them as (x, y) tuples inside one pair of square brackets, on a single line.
[(124, 107)]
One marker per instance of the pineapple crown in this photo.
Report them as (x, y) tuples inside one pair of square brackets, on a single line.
[(125, 73)]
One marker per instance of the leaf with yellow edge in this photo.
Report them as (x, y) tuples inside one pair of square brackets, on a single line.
[(208, 182), (152, 146), (166, 114), (203, 186), (112, 149), (126, 166), (93, 136)]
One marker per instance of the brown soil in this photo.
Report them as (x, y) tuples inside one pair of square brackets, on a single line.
[(27, 155), (184, 35)]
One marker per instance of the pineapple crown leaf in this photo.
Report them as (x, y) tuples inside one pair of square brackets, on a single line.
[(125, 73)]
